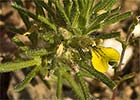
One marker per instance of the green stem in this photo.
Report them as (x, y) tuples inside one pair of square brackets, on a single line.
[(59, 86)]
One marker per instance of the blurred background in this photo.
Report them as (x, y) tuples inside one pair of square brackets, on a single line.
[(37, 90)]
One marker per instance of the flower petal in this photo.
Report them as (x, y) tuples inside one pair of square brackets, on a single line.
[(98, 62), (110, 53)]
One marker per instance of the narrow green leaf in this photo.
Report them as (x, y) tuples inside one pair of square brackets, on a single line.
[(128, 76), (27, 79), (88, 11), (17, 41), (124, 78), (13, 66), (104, 79), (62, 11), (82, 22), (38, 53), (74, 86), (108, 36), (24, 18), (24, 11), (83, 86), (76, 5), (97, 20), (46, 82), (75, 20), (85, 73), (39, 9), (116, 18), (68, 4), (47, 22), (110, 83), (110, 4), (136, 21), (37, 18), (103, 5), (82, 4), (92, 29), (77, 31), (100, 22), (115, 10), (19, 2), (83, 18), (85, 8), (100, 5), (47, 7)]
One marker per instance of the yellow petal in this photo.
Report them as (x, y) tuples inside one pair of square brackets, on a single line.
[(98, 62), (101, 12), (60, 50), (101, 56), (110, 53)]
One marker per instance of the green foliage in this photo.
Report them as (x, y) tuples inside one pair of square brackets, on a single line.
[(83, 86), (62, 39), (27, 79), (13, 66)]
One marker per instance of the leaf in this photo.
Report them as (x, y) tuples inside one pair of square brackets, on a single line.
[(97, 20), (110, 83), (110, 4), (103, 5), (13, 66), (75, 20), (108, 35), (47, 7), (27, 79), (24, 18), (83, 86), (102, 21), (37, 18), (24, 11), (39, 8), (82, 4), (127, 76), (35, 53), (62, 12), (115, 10), (104, 79), (85, 73), (124, 78), (68, 4), (100, 5), (116, 18), (74, 85), (75, 14), (47, 22), (88, 10), (76, 5)]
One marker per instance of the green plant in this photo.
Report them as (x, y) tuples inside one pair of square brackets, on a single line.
[(62, 40)]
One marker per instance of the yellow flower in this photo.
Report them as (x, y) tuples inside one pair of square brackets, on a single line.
[(101, 56)]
